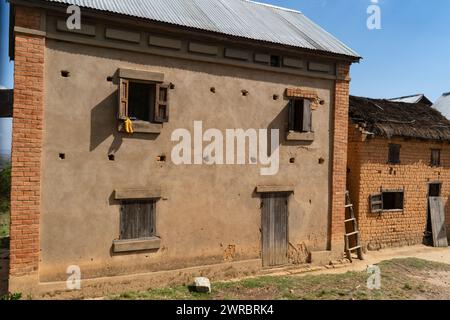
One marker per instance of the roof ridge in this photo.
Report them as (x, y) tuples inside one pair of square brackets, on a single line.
[(272, 6), (410, 96)]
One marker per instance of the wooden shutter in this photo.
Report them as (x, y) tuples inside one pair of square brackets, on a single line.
[(137, 220), (394, 153), (291, 125), (306, 125), (161, 113), (123, 98), (376, 203)]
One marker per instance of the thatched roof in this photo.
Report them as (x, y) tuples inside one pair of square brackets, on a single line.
[(388, 119)]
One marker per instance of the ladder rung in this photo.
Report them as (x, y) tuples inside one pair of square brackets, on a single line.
[(354, 248), (349, 206), (352, 233), (348, 220)]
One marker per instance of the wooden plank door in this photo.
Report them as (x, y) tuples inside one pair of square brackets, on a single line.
[(439, 228), (274, 229)]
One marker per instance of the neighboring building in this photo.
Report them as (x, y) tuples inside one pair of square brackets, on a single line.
[(398, 156), (443, 105), (417, 98), (87, 194)]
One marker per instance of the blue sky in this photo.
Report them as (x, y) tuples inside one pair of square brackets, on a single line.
[(408, 55)]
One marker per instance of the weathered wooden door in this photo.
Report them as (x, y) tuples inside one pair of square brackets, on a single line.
[(438, 225), (274, 229)]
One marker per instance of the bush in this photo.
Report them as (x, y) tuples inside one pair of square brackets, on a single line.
[(5, 188), (12, 296)]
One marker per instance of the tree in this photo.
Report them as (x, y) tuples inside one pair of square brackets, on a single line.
[(5, 188)]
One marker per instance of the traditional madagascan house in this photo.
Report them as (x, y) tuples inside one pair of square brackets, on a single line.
[(398, 158), (166, 139)]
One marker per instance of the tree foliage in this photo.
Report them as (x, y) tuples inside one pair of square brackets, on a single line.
[(5, 188)]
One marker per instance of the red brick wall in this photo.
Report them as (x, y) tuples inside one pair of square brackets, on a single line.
[(340, 130), (369, 172), (26, 144)]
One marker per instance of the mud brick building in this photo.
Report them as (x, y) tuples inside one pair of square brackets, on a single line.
[(398, 156), (86, 193)]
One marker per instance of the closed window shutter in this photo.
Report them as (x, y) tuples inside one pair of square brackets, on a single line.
[(307, 115), (376, 203), (123, 99), (291, 125), (161, 103)]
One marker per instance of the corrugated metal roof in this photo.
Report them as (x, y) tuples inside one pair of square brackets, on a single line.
[(408, 99), (443, 105), (241, 18)]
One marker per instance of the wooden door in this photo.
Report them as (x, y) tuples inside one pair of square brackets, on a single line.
[(274, 229), (438, 225)]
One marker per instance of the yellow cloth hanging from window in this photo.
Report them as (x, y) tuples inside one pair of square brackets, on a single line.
[(128, 125)]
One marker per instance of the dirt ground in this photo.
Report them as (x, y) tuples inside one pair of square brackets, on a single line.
[(401, 279), (410, 273)]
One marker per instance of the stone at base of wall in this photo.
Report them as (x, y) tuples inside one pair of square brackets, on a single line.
[(99, 287)]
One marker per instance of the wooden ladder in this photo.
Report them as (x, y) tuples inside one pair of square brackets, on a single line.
[(352, 226)]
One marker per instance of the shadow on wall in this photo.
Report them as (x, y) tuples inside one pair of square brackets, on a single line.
[(104, 124), (281, 122)]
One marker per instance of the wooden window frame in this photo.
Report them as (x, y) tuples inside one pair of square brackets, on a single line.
[(377, 199), (390, 146), (306, 119), (433, 161), (155, 115)]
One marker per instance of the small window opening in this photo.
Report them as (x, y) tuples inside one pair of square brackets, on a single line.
[(435, 157), (394, 154), (275, 61), (161, 158), (144, 101), (275, 97), (245, 93), (386, 201), (292, 160), (300, 116), (392, 200), (109, 79), (212, 89), (62, 156), (141, 100), (65, 73), (111, 157)]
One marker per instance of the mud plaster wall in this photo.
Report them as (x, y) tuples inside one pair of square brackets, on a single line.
[(208, 214)]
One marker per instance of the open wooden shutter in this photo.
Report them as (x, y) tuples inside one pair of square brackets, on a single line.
[(161, 113), (376, 203), (307, 117), (291, 125), (123, 99)]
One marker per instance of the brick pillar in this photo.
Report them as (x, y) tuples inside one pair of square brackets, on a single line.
[(340, 142), (26, 148)]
